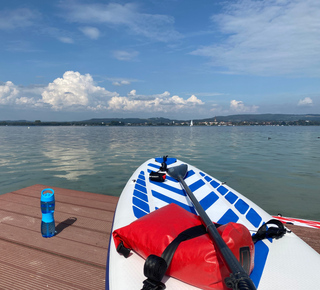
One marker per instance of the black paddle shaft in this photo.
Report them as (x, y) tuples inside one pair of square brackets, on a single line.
[(239, 279)]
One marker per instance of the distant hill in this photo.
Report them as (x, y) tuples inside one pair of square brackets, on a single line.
[(263, 118), (127, 121)]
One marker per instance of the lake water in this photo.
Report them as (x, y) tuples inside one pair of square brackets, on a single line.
[(276, 167)]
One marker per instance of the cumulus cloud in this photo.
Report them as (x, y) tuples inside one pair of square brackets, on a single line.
[(8, 93), (268, 37), (73, 91), (12, 95), (305, 102), (153, 103), (153, 26), (77, 92), (91, 32), (238, 106)]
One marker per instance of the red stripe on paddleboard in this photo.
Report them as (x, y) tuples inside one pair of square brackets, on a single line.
[(313, 224)]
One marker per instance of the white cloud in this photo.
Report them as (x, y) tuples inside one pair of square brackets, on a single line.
[(153, 103), (121, 83), (12, 95), (268, 37), (8, 93), (125, 55), (77, 92), (91, 32), (74, 91), (154, 26), (18, 18), (65, 39), (305, 102), (239, 107), (132, 93)]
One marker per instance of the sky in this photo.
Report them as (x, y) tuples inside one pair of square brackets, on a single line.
[(181, 59)]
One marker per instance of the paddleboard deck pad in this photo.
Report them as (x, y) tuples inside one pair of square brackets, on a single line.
[(285, 263)]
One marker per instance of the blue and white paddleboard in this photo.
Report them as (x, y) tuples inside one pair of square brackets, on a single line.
[(286, 263)]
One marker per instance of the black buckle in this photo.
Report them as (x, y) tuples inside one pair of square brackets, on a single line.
[(153, 285), (121, 249)]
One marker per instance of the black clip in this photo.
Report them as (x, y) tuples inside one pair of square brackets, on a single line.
[(121, 249), (153, 285)]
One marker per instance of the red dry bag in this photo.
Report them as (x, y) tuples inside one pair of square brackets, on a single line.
[(195, 261)]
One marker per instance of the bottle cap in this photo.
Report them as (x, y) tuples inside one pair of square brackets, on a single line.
[(47, 195)]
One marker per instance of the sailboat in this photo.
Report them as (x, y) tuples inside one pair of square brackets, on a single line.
[(191, 123)]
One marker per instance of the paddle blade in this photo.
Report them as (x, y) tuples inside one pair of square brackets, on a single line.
[(178, 172)]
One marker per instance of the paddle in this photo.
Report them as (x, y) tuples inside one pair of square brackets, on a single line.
[(238, 279)]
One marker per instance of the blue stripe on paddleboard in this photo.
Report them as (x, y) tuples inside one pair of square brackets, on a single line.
[(253, 217), (154, 166), (201, 173), (222, 190), (209, 200), (261, 251), (169, 200), (228, 217), (169, 187), (196, 185), (138, 213), (141, 204), (241, 206), (189, 174), (207, 178), (141, 188), (141, 182), (140, 195), (141, 176), (171, 179), (214, 184), (231, 197)]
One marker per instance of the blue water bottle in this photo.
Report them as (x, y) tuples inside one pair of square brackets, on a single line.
[(47, 203)]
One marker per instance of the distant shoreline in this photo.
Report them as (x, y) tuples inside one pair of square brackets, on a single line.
[(232, 120), (185, 124)]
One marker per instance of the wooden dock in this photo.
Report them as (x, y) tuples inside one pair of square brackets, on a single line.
[(73, 259), (76, 257)]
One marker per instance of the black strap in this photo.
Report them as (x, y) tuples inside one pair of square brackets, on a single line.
[(157, 176), (155, 267), (265, 232)]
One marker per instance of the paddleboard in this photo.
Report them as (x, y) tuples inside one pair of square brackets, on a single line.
[(285, 263)]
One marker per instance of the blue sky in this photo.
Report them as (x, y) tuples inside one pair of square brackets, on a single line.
[(75, 60)]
